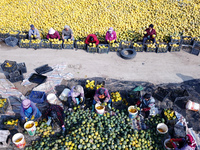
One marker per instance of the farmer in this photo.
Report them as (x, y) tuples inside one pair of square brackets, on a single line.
[(53, 34), (188, 143), (110, 36), (146, 103), (76, 96), (29, 111), (91, 38), (55, 113), (33, 33), (67, 33), (150, 34), (101, 96)]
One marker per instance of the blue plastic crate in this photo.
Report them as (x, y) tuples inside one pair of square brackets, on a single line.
[(37, 96)]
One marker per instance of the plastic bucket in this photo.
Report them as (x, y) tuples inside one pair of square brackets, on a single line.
[(99, 111), (166, 147), (192, 106), (51, 98), (162, 128), (63, 96), (21, 143), (132, 115), (30, 130)]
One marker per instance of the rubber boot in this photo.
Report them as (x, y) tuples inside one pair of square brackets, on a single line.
[(93, 108), (109, 106)]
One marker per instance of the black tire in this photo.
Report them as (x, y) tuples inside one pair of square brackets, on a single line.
[(128, 53)]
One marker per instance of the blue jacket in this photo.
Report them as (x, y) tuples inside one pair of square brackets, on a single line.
[(32, 110)]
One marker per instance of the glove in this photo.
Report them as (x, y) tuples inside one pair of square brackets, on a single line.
[(63, 130), (81, 99), (49, 121), (33, 117), (77, 101), (26, 119)]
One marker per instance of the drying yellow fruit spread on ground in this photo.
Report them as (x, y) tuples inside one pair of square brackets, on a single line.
[(170, 17)]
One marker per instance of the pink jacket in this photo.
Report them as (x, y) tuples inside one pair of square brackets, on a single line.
[(111, 37)]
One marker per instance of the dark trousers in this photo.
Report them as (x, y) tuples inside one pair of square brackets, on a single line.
[(147, 114), (70, 101), (146, 38)]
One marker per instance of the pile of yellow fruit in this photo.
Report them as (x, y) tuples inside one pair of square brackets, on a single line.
[(174, 45), (81, 16), (151, 45), (69, 41), (116, 97), (92, 45), (55, 41), (45, 41), (22, 33), (37, 41), (13, 32), (4, 31), (80, 42), (2, 102), (176, 37), (114, 45), (44, 131), (137, 45), (187, 38), (90, 84), (170, 114), (11, 122), (126, 43), (103, 46), (99, 86), (162, 45), (8, 66), (25, 41)]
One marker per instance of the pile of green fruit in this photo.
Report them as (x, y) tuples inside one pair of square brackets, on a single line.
[(87, 130)]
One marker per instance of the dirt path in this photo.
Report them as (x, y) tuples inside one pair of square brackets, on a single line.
[(152, 67)]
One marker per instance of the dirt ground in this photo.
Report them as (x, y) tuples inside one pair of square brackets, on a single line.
[(151, 67)]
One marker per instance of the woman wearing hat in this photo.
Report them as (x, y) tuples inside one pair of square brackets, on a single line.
[(110, 36), (146, 103), (76, 96), (67, 33), (53, 34), (33, 33), (101, 96), (29, 111)]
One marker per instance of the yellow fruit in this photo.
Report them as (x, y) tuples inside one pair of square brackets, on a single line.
[(76, 14)]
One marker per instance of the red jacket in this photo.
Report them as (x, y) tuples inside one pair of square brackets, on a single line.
[(53, 36), (153, 31), (87, 41)]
